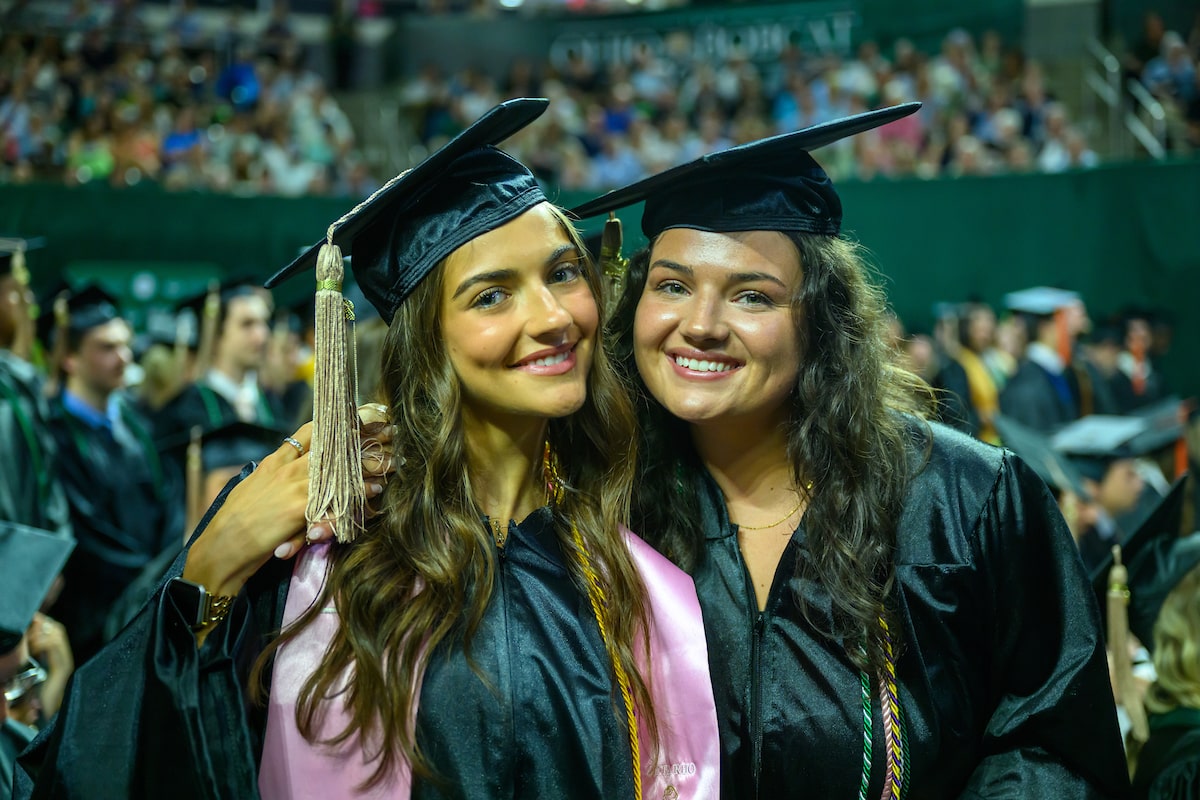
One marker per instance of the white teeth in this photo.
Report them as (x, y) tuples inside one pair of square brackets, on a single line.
[(551, 360), (699, 365)]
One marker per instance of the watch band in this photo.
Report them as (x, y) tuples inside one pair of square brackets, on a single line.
[(216, 607)]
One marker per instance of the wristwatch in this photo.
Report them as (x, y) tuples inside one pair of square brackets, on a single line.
[(200, 609)]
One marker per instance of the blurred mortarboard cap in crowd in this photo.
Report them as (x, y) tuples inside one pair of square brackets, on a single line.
[(463, 190), (946, 310), (169, 328), (1108, 331), (1040, 301), (30, 560), (1034, 448), (1166, 423), (12, 256), (770, 184), (1156, 558), (87, 306), (1094, 442), (225, 289)]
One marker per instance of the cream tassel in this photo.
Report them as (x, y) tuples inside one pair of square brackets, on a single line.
[(336, 490), (612, 263), (1118, 644)]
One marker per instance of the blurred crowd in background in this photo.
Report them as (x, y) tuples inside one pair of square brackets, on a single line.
[(95, 94)]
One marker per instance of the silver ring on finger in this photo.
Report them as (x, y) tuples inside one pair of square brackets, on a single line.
[(294, 443)]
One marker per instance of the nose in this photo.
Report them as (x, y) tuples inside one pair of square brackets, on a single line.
[(703, 319), (548, 317)]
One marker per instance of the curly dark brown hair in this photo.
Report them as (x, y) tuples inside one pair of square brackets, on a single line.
[(849, 433)]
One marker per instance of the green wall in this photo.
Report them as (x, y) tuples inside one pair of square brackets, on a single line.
[(1119, 235)]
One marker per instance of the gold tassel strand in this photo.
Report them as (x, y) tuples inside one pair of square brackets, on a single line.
[(23, 340), (612, 264), (1118, 643), (336, 488)]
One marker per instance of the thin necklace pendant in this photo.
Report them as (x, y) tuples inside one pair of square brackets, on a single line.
[(499, 532)]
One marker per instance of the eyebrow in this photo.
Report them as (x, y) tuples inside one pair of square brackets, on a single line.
[(735, 277), (500, 275)]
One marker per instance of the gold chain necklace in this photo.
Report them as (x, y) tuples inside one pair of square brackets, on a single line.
[(799, 502)]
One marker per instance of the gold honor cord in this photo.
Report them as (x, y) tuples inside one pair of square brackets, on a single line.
[(599, 610)]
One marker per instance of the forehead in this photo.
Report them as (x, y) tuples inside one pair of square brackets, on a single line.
[(114, 331), (528, 239), (759, 251), (247, 306)]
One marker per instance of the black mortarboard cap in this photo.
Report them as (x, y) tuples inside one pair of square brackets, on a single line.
[(30, 560), (87, 307), (463, 190), (771, 184), (1156, 559), (10, 247), (227, 289), (1094, 442), (1033, 447)]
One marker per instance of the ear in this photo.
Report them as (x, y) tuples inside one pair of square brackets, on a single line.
[(69, 363)]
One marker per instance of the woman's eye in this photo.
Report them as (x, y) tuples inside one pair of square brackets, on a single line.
[(488, 298), (564, 272), (754, 299), (671, 287)]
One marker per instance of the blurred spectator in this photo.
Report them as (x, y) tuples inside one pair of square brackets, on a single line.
[(1171, 75)]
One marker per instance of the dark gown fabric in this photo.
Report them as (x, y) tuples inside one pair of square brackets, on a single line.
[(954, 398), (548, 727), (30, 492), (124, 511), (1168, 768), (1003, 681), (150, 716), (1040, 400), (199, 405)]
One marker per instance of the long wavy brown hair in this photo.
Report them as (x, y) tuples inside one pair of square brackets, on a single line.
[(424, 570), (1177, 649), (850, 433)]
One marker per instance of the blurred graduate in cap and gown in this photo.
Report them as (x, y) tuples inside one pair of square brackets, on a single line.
[(30, 492), (1153, 594), (124, 508), (1045, 393), (235, 330), (893, 608), (495, 632), (30, 562)]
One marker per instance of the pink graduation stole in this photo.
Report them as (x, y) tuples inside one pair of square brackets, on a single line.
[(685, 766)]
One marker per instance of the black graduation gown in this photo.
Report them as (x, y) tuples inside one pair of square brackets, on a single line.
[(14, 737), (200, 405), (1032, 397), (954, 398), (150, 716), (124, 512), (30, 492), (1168, 767), (1003, 680)]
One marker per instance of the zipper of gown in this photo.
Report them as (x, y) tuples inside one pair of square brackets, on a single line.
[(756, 734)]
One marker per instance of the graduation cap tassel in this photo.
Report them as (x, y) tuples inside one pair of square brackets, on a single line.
[(336, 489), (24, 337), (195, 482), (1118, 643), (612, 264), (62, 332), (208, 328)]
